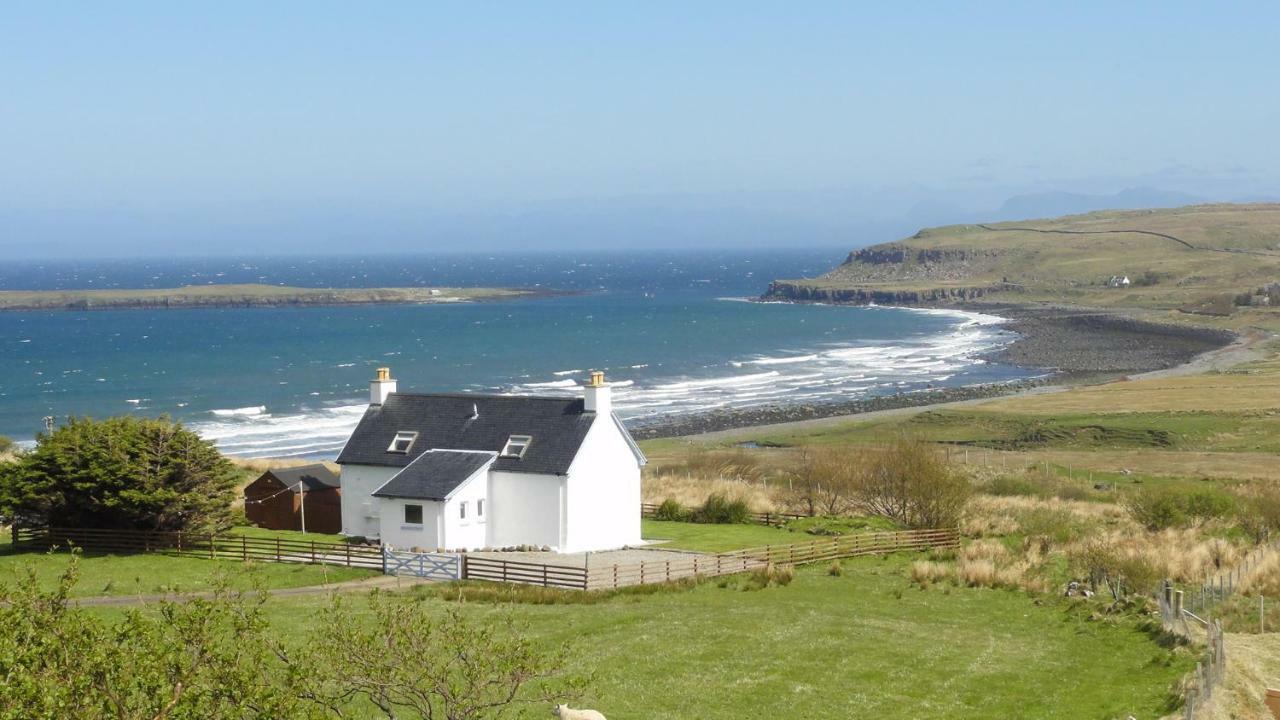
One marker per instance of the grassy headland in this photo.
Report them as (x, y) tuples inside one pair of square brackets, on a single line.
[(249, 295), (1191, 258)]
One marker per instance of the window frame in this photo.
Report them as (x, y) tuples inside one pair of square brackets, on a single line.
[(480, 509), (401, 436), (462, 510), (421, 514), (521, 441)]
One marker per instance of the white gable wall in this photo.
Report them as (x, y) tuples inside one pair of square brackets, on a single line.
[(603, 492), (359, 510), (524, 509)]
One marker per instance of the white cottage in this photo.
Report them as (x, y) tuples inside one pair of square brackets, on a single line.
[(473, 471)]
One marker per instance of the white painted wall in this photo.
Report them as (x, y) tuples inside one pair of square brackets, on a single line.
[(603, 492), (469, 533), (524, 509), (402, 536), (358, 483)]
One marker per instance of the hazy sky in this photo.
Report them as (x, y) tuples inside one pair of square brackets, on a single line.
[(137, 127)]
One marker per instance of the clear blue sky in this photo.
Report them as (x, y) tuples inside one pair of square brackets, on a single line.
[(149, 127)]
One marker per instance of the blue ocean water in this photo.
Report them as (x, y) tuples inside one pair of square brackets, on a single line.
[(670, 329)]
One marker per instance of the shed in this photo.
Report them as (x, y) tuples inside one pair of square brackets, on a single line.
[(276, 499)]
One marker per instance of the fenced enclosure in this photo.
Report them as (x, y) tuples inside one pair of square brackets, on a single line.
[(454, 566), (206, 545)]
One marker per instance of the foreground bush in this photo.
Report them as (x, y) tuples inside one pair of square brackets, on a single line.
[(120, 473), (217, 658)]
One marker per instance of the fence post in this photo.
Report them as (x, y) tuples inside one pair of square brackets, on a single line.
[(213, 547), (244, 548), (348, 551), (384, 558), (313, 552), (277, 548)]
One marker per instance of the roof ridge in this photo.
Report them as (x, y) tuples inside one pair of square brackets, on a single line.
[(490, 396)]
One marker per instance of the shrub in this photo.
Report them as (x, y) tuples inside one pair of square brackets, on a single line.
[(1011, 485), (1260, 511), (927, 572), (670, 509), (1156, 509), (770, 575), (835, 569), (6, 445), (721, 509)]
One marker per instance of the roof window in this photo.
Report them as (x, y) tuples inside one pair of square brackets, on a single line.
[(516, 446), (404, 440)]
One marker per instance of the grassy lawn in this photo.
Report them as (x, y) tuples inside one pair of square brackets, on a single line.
[(147, 574), (295, 535), (865, 644), (716, 538)]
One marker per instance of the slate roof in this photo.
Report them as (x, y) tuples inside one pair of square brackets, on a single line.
[(434, 474), (313, 477), (557, 425)]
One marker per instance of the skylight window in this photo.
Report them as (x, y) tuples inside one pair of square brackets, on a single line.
[(404, 441), (516, 445)]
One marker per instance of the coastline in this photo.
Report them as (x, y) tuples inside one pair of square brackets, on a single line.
[(1073, 346), (252, 296)]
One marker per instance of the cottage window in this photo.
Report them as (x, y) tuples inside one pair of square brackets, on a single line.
[(412, 514), (404, 441), (462, 510), (516, 446), (480, 508)]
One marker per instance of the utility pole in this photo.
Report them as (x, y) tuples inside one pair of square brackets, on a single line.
[(302, 504)]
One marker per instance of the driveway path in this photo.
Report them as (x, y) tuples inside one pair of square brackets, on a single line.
[(386, 582)]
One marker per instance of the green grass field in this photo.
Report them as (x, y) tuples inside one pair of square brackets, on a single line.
[(864, 644), (145, 574)]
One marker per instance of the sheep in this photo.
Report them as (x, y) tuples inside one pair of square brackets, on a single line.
[(564, 712)]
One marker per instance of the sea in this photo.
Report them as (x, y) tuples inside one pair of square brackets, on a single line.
[(676, 332)]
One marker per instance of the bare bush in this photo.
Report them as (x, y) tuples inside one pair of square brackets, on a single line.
[(912, 483), (823, 479)]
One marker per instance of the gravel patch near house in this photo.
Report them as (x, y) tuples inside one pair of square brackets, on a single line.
[(596, 559)]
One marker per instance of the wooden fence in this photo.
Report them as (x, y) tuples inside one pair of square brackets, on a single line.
[(648, 510), (834, 548), (206, 545), (529, 573)]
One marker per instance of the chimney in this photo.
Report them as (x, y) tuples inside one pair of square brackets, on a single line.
[(597, 396), (381, 387)]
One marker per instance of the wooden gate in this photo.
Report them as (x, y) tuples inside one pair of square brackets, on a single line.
[(433, 566)]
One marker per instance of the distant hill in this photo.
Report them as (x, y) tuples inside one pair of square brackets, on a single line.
[(1053, 204), (1172, 258)]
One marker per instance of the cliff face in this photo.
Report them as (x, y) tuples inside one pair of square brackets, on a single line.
[(796, 292)]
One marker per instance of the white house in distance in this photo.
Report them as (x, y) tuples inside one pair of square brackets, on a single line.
[(468, 471)]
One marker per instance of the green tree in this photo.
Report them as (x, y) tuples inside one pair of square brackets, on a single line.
[(122, 472)]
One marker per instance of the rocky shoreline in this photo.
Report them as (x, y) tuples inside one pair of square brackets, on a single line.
[(1072, 345)]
